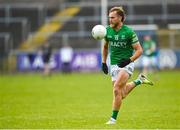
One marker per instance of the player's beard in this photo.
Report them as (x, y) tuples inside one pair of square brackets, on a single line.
[(114, 25)]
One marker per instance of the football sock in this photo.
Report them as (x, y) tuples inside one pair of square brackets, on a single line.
[(137, 82), (114, 114)]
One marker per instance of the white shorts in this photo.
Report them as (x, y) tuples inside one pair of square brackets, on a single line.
[(114, 70), (149, 61)]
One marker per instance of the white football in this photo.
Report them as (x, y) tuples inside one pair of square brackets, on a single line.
[(99, 32)]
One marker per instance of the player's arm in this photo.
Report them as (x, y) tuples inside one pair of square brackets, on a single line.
[(153, 47), (104, 57), (138, 51), (136, 46), (104, 52)]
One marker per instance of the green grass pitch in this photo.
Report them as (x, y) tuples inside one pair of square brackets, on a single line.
[(83, 101)]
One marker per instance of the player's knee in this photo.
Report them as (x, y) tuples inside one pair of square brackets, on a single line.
[(116, 92), (123, 93), (116, 85)]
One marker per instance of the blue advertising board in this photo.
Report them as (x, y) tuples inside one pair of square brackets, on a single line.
[(91, 61), (81, 61)]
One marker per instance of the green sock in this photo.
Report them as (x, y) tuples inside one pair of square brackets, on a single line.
[(137, 82), (114, 114)]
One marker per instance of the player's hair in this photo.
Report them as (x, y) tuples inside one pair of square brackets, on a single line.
[(120, 11)]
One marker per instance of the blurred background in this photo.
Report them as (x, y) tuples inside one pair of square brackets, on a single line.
[(27, 25)]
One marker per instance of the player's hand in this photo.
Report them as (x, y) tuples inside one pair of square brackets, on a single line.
[(104, 68), (124, 62)]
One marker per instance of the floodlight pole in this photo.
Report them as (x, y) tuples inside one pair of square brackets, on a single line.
[(104, 12), (104, 5)]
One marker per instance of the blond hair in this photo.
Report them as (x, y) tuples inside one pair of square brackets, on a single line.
[(119, 10)]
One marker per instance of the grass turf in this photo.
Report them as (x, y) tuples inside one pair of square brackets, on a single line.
[(84, 101)]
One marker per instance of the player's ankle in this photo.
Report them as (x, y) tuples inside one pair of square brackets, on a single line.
[(137, 82)]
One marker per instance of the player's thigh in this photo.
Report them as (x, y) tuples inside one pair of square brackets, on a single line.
[(120, 83), (122, 79), (114, 70)]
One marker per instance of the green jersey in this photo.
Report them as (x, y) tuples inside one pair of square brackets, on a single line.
[(149, 48), (120, 43)]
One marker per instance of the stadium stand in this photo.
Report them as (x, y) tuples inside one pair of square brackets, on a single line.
[(2, 12), (149, 9), (15, 29), (173, 9), (2, 45), (49, 28), (39, 12), (32, 14), (27, 24)]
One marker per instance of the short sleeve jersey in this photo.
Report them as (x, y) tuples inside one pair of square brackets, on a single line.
[(120, 43)]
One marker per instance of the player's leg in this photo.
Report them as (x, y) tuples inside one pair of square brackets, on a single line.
[(118, 85), (154, 63), (155, 67), (121, 88), (128, 88), (145, 62), (142, 79), (46, 60), (118, 88), (46, 69)]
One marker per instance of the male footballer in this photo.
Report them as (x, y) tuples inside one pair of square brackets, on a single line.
[(124, 47)]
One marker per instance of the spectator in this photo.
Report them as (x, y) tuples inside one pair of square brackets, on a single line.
[(149, 55), (66, 55), (47, 52)]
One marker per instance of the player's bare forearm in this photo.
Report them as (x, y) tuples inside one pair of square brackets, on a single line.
[(104, 52), (138, 51)]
